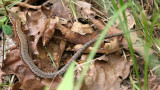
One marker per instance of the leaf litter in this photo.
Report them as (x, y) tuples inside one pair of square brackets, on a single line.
[(56, 28)]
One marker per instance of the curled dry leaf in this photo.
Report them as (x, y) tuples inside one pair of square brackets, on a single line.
[(81, 28), (107, 74), (112, 46), (49, 32), (40, 25), (37, 24)]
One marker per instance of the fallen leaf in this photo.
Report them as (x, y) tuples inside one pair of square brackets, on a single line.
[(14, 65), (60, 9), (49, 32), (84, 9), (107, 74), (81, 28), (98, 23), (16, 86), (33, 84), (72, 36), (37, 25), (40, 25), (112, 46), (78, 38)]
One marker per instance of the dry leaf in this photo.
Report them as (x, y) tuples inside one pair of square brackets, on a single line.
[(112, 46), (72, 36), (79, 39), (37, 25), (33, 84), (108, 74), (60, 9), (84, 9), (14, 65), (81, 28), (49, 32)]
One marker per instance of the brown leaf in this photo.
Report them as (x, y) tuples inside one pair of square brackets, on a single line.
[(98, 23), (40, 25), (60, 9), (62, 28), (49, 32), (84, 9), (112, 46), (79, 39), (33, 84), (47, 12), (37, 24), (16, 86), (81, 28), (108, 74), (74, 37), (14, 65)]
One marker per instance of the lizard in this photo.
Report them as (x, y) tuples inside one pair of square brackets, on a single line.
[(26, 57)]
